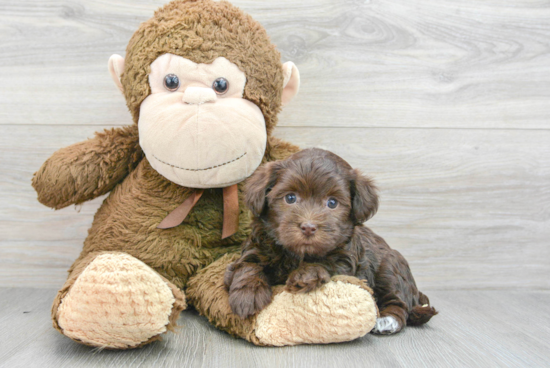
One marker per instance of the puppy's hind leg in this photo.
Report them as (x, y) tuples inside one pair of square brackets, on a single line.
[(394, 290), (392, 320), (399, 300)]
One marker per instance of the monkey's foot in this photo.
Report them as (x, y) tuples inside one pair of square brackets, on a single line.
[(341, 310), (117, 302)]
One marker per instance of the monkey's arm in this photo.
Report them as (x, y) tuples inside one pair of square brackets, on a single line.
[(88, 169)]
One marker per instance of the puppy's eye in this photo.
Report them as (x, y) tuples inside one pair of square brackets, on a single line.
[(171, 82), (220, 86), (290, 198), (332, 203)]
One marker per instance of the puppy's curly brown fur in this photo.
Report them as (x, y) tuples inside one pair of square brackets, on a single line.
[(308, 226)]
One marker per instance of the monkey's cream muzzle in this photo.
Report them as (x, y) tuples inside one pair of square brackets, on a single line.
[(207, 145), (195, 137)]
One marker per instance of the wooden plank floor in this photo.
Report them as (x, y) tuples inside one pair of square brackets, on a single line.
[(474, 329)]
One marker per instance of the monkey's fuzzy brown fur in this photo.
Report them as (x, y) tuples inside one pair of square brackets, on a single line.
[(139, 196), (127, 219), (88, 169), (281, 249)]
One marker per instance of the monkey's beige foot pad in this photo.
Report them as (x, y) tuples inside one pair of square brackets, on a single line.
[(341, 310), (118, 302)]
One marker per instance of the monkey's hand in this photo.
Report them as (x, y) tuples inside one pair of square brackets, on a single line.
[(306, 278), (249, 291), (88, 169)]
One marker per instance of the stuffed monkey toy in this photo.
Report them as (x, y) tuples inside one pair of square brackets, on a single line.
[(204, 86)]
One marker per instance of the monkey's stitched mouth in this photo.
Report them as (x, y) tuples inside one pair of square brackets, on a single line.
[(206, 168)]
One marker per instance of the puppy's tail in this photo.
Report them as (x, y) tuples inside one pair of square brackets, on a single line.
[(421, 313)]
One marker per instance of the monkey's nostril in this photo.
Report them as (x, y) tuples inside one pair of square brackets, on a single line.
[(308, 229)]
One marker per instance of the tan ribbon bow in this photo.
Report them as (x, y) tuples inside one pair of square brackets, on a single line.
[(230, 211)]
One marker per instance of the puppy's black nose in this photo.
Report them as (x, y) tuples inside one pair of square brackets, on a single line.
[(308, 229)]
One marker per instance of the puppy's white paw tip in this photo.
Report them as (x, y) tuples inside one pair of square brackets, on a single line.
[(386, 325)]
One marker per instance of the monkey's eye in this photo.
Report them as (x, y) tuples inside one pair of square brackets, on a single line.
[(171, 82), (332, 203), (220, 85), (290, 198)]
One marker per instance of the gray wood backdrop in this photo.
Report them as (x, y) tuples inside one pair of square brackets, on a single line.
[(445, 103)]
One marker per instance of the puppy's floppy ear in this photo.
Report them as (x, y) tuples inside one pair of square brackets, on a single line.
[(364, 197), (259, 184)]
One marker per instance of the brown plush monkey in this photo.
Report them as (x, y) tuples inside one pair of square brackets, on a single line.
[(204, 86)]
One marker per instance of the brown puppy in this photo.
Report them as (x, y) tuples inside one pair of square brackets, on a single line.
[(308, 226)]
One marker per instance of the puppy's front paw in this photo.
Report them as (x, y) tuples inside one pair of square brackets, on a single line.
[(386, 326), (307, 278), (248, 300)]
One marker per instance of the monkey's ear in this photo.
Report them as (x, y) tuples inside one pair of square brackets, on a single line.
[(364, 197), (291, 83), (116, 67), (258, 186)]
